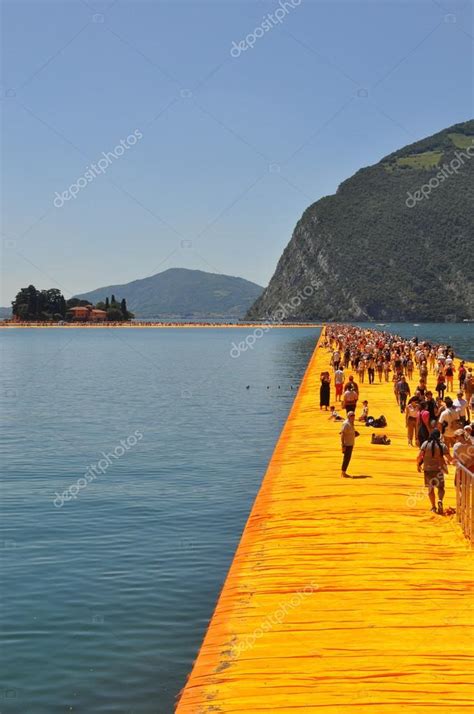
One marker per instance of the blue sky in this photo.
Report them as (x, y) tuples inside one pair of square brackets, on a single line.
[(233, 149)]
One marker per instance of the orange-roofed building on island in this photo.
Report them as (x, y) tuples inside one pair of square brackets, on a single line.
[(87, 313)]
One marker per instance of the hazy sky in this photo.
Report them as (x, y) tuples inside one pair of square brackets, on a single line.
[(232, 148)]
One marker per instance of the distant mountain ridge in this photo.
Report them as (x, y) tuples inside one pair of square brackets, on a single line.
[(393, 243), (182, 293)]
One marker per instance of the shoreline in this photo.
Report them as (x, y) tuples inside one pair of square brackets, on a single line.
[(160, 325)]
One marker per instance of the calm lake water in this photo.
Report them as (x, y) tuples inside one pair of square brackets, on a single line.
[(106, 597)]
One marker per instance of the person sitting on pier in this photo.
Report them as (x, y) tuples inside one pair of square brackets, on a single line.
[(334, 416), (365, 411)]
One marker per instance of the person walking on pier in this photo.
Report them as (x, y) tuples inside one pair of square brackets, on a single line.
[(403, 391), (348, 437), (449, 422), (339, 383), (449, 374), (462, 407), (423, 371), (432, 458), (440, 385), (371, 370), (468, 384), (411, 417), (380, 368), (349, 399), (350, 384), (424, 423), (336, 359)]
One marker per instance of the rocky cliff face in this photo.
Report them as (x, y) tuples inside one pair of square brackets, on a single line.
[(394, 242)]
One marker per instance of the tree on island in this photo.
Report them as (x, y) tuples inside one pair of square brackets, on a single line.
[(76, 302), (116, 311), (114, 314), (50, 305), (42, 305)]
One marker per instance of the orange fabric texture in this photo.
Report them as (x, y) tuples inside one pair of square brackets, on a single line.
[(345, 595)]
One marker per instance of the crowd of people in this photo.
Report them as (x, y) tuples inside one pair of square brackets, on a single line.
[(438, 420)]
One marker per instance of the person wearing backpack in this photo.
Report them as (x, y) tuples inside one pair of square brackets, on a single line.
[(432, 458), (449, 374), (424, 423)]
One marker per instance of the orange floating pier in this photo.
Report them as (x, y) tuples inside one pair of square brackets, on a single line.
[(345, 595)]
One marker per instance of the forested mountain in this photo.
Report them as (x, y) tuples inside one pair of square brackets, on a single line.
[(395, 242), (182, 293)]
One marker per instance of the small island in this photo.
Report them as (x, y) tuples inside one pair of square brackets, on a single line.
[(32, 305)]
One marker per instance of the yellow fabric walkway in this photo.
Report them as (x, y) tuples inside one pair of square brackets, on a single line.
[(344, 595)]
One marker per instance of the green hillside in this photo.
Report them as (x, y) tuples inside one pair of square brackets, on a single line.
[(388, 245), (181, 293)]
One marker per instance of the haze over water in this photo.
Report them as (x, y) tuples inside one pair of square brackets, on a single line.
[(107, 597)]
